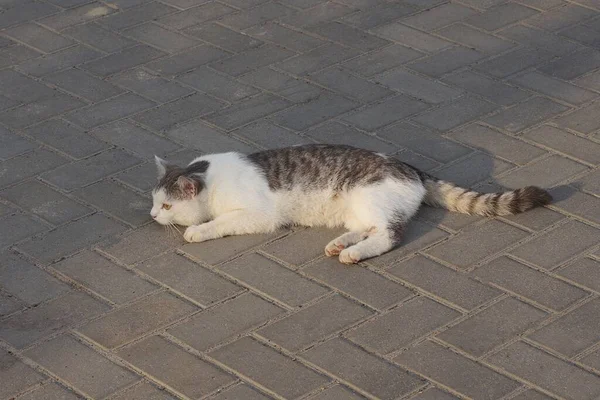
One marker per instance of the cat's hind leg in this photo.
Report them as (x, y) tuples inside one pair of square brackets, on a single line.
[(338, 244), (378, 240)]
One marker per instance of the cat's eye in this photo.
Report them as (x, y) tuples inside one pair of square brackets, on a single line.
[(166, 206)]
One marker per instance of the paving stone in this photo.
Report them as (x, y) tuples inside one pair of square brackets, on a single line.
[(390, 110), (573, 65), (124, 60), (24, 12), (362, 369), (141, 244), (584, 271), (261, 14), (533, 37), (168, 115), (71, 237), (448, 220), (401, 326), (493, 326), (581, 120), (136, 15), (223, 37), (50, 391), (315, 111), (444, 282), (378, 15), (565, 142), (481, 241), (299, 330), (143, 391), (221, 86), (583, 205), (84, 85), (416, 86), (284, 376), (266, 276), (437, 17), (526, 114), (28, 165), (117, 200), (484, 138), (197, 135), (114, 330), (365, 285), (476, 39), (239, 392), (104, 277), (23, 329), (160, 37), (456, 113), (27, 282), (249, 60), (419, 235), (60, 60), (97, 36), (543, 289), (269, 136), (16, 54), (536, 219), (225, 321), (135, 139), (6, 102), (316, 59), (500, 16), (555, 88), (381, 60), (39, 110), (189, 279), (151, 86), (548, 372), (583, 34), (183, 371), (531, 394), (186, 60), (561, 17), (592, 360), (77, 15), (492, 90), (89, 170), (514, 61), (349, 36), (21, 88), (424, 141), (462, 374), (303, 245), (350, 85), (337, 392), (572, 333), (559, 244), (292, 88), (9, 304), (282, 36), (38, 37), (412, 38), (81, 366), (445, 61), (12, 145), (16, 375), (66, 138), (336, 133), (18, 227), (433, 394), (544, 173)]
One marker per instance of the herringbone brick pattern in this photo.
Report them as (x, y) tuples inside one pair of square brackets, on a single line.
[(97, 302)]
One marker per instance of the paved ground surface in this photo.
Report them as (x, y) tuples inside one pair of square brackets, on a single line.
[(98, 302)]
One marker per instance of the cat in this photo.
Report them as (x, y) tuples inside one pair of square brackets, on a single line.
[(370, 194)]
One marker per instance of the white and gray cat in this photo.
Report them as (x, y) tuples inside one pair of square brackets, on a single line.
[(370, 194)]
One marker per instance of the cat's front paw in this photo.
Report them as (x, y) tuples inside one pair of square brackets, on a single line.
[(333, 248), (349, 256), (196, 233)]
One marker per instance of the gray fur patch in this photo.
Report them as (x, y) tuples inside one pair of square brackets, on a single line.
[(169, 181), (327, 166)]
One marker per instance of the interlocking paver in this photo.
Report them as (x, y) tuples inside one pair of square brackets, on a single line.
[(107, 304)]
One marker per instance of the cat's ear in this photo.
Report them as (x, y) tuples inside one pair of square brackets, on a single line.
[(161, 166), (190, 187)]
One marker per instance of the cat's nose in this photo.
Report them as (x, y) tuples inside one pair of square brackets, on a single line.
[(153, 214)]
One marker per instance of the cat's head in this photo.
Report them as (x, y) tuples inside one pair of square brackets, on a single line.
[(174, 198)]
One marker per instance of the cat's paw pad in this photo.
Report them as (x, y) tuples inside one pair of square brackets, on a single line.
[(196, 233), (349, 256), (333, 249)]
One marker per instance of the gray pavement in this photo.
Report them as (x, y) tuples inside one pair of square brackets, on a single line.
[(98, 302)]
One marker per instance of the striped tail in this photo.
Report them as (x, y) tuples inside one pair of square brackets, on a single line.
[(454, 198)]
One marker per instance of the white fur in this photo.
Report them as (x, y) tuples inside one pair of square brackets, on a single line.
[(237, 200)]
